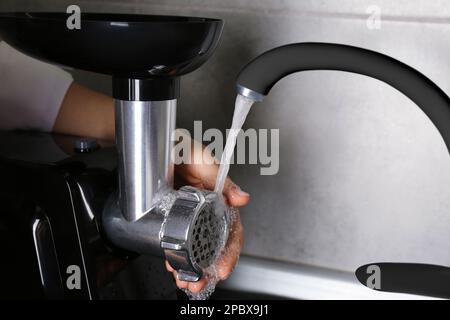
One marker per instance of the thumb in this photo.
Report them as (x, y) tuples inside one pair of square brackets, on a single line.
[(235, 196)]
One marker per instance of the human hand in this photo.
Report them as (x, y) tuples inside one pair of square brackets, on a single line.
[(202, 174)]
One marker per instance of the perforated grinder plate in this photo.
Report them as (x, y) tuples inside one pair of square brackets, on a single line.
[(207, 237)]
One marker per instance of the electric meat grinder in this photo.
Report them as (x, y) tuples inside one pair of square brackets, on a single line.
[(145, 55)]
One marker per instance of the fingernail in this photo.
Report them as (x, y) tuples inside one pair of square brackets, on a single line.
[(236, 189)]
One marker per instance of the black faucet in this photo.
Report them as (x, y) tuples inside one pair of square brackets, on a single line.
[(259, 76)]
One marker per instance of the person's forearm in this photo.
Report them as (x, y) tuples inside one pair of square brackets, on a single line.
[(85, 112)]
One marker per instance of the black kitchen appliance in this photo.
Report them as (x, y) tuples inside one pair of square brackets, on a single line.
[(77, 214)]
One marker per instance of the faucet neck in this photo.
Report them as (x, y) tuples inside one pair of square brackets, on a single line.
[(261, 74)]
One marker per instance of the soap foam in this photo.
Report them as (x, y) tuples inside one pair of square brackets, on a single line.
[(212, 272)]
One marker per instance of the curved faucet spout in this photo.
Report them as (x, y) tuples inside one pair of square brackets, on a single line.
[(260, 75)]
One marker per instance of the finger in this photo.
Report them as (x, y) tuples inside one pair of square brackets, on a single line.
[(206, 174), (169, 267), (196, 287), (228, 260), (180, 284), (205, 167), (201, 168), (202, 172), (225, 269), (236, 197)]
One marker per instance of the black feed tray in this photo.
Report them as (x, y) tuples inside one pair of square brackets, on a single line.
[(123, 45)]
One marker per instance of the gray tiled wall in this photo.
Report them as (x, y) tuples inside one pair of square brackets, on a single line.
[(364, 176)]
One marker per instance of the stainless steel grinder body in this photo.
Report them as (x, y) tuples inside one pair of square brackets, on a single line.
[(143, 141), (146, 55), (188, 227)]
